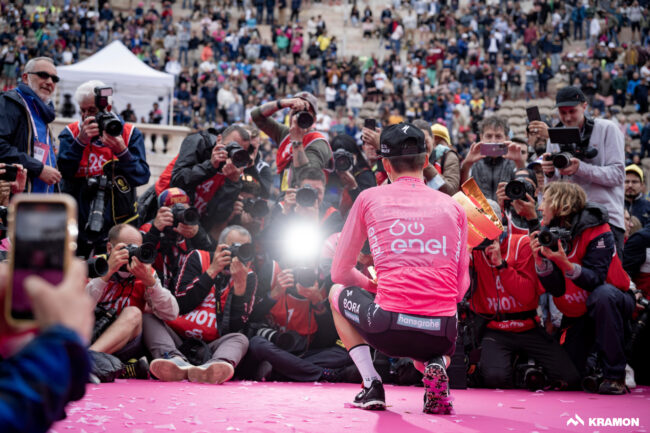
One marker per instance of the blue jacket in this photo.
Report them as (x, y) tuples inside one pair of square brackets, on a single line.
[(639, 208), (38, 382)]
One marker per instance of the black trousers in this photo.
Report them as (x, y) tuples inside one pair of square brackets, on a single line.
[(498, 348), (287, 366), (601, 330)]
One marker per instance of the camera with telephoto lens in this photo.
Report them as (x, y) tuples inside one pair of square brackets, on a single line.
[(343, 160), (146, 252), (306, 196), (186, 215), (256, 207), (548, 237), (529, 376), (304, 119), (104, 317), (97, 187), (11, 171), (238, 155), (517, 189), (97, 266), (289, 341), (594, 376), (244, 252), (106, 121)]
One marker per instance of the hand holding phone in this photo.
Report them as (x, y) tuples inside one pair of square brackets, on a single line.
[(533, 114), (42, 230), (370, 124), (494, 149)]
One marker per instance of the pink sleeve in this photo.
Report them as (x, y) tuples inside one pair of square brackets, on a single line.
[(463, 261), (352, 238)]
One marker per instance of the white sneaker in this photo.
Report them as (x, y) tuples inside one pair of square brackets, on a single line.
[(170, 370), (211, 372), (629, 377)]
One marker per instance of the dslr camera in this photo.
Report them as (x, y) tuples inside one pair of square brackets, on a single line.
[(186, 215), (304, 119), (106, 121), (571, 146), (238, 155), (306, 196), (97, 187), (256, 207), (343, 160), (244, 252), (517, 189), (146, 252), (548, 237)]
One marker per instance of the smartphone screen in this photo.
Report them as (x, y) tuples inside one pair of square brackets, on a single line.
[(39, 249), (370, 124), (494, 149), (533, 114)]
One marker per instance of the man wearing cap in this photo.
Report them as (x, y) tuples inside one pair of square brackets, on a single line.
[(175, 231), (636, 202), (298, 146), (603, 176), (443, 171), (418, 240)]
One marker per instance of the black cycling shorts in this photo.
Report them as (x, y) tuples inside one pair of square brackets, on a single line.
[(397, 335)]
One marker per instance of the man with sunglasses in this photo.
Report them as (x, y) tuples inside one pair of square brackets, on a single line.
[(24, 133)]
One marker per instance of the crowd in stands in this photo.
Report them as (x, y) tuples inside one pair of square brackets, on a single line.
[(284, 141)]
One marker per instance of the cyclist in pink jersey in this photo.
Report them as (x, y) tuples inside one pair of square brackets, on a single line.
[(418, 239)]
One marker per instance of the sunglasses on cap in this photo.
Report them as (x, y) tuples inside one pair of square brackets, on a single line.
[(44, 75)]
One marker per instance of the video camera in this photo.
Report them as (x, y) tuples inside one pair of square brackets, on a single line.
[(517, 189), (106, 121), (548, 237), (343, 160), (571, 146)]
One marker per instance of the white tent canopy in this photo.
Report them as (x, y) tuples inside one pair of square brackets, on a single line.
[(131, 79)]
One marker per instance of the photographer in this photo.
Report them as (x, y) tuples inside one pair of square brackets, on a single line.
[(298, 146), (175, 232), (101, 145), (517, 198), (129, 288), (205, 170), (351, 173), (505, 293), (576, 262), (215, 294), (489, 171), (603, 176)]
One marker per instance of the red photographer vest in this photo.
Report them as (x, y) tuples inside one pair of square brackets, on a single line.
[(574, 302), (200, 323), (122, 294), (491, 296), (285, 151), (203, 192), (95, 156)]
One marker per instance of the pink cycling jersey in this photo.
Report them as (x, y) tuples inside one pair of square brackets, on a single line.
[(418, 239)]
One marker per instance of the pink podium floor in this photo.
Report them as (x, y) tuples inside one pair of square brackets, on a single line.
[(133, 406)]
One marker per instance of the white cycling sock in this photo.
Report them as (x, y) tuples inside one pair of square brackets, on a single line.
[(361, 356)]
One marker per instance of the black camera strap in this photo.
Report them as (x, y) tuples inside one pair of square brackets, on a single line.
[(519, 315)]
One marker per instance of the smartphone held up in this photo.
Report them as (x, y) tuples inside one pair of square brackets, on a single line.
[(43, 235)]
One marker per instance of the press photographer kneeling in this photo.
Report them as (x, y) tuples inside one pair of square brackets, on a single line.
[(505, 293), (576, 261), (102, 160)]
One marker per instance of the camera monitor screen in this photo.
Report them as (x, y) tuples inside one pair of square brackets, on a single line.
[(564, 135), (39, 245)]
